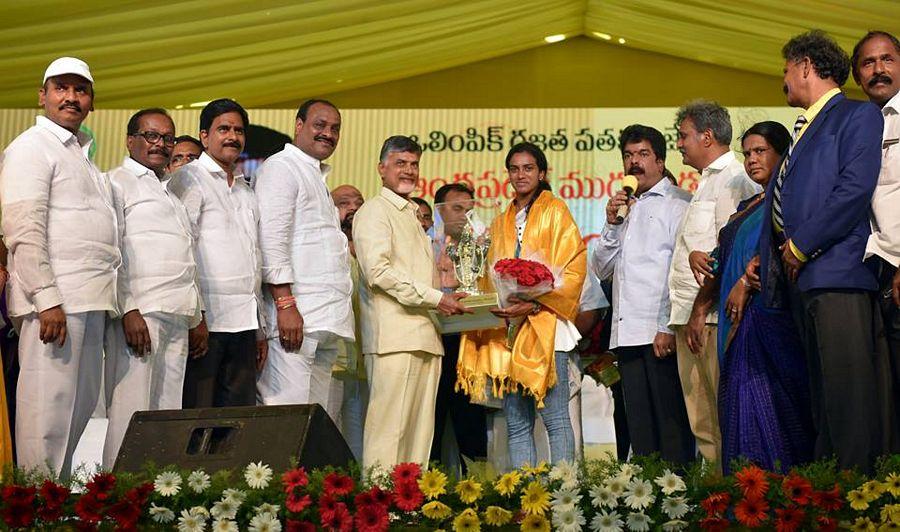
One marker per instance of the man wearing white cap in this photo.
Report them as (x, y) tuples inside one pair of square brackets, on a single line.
[(60, 228)]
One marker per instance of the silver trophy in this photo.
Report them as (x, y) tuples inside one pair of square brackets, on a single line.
[(469, 254)]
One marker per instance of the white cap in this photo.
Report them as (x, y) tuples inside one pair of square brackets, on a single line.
[(68, 65)]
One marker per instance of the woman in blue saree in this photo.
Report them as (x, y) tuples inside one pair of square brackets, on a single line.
[(764, 411)]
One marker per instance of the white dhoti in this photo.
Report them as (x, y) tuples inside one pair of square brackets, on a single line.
[(302, 377), (152, 382), (58, 389)]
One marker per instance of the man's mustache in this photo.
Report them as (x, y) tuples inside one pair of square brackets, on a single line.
[(784, 88), (232, 144), (879, 78), (634, 169), (161, 151), (347, 223), (321, 138), (70, 105)]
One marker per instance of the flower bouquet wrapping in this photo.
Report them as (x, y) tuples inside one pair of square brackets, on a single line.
[(525, 279)]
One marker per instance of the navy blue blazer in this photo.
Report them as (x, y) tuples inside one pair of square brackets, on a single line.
[(826, 195)]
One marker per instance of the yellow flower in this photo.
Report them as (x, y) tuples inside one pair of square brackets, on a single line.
[(433, 483), (468, 490), (496, 516), (872, 490), (536, 470), (436, 510), (535, 523), (887, 526), (890, 513), (892, 484), (535, 499), (862, 524), (508, 483), (467, 521), (857, 500)]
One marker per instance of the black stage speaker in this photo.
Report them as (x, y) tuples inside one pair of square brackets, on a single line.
[(229, 438)]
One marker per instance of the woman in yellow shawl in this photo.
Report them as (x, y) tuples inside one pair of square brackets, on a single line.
[(534, 372)]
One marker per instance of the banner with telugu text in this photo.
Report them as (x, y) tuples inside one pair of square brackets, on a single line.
[(466, 145)]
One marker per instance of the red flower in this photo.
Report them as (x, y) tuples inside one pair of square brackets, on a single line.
[(408, 496), (382, 498), (408, 472), (337, 484), (364, 498), (89, 508), (340, 519), (101, 483), (327, 506), (53, 494), (789, 519), (125, 513), (830, 500), (292, 525), (373, 518), (797, 489), (18, 514), (716, 503), (49, 514), (752, 481), (752, 511), (19, 495), (294, 478), (714, 524), (297, 502), (138, 495), (827, 524)]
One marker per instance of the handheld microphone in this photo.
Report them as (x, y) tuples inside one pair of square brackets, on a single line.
[(629, 185)]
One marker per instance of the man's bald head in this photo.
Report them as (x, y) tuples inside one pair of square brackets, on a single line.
[(348, 199)]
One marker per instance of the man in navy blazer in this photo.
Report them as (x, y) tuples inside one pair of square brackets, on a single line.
[(812, 244)]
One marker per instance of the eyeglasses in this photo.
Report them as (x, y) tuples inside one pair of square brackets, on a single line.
[(152, 137)]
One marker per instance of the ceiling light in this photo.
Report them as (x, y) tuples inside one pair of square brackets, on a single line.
[(621, 40), (604, 36), (179, 106), (200, 104), (555, 38)]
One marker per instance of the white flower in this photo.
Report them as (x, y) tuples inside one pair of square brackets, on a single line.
[(675, 507), (568, 520), (638, 522), (161, 514), (264, 522), (606, 522), (225, 509), (669, 482), (566, 472), (236, 496), (564, 499), (602, 496), (629, 470), (639, 494), (616, 485), (199, 510), (266, 508), (189, 522), (674, 525), (257, 475), (224, 525), (167, 483), (198, 481)]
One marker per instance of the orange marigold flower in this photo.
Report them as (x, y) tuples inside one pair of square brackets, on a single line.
[(830, 501), (752, 511), (752, 481), (789, 519), (797, 489), (716, 503)]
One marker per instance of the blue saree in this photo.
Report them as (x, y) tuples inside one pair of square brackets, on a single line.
[(764, 408)]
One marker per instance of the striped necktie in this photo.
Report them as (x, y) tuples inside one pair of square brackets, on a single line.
[(777, 215)]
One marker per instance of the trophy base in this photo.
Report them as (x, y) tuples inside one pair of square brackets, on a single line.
[(481, 317)]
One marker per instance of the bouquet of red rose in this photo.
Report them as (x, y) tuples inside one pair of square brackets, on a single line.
[(526, 279)]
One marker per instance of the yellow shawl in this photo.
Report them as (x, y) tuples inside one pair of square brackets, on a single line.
[(551, 231)]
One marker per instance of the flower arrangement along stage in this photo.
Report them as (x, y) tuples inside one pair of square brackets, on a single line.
[(597, 495)]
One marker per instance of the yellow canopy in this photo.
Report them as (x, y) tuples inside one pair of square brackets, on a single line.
[(265, 53)]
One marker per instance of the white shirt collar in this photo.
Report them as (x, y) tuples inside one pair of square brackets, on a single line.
[(63, 134), (659, 189), (721, 163), (892, 106), (213, 167), (308, 159), (136, 168)]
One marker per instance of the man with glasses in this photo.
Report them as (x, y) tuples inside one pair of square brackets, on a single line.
[(159, 298), (60, 228), (186, 149)]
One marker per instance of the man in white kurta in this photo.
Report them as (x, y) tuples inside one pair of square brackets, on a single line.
[(306, 264), (159, 299), (60, 229)]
